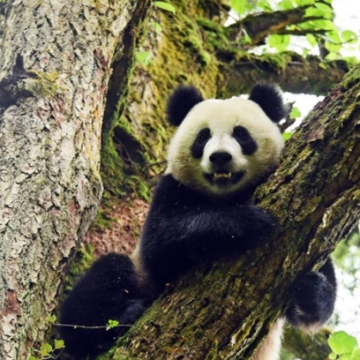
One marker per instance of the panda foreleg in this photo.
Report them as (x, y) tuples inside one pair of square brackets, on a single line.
[(314, 299), (108, 291)]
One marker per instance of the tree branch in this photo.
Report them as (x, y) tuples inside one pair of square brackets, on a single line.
[(259, 26), (225, 311), (290, 70)]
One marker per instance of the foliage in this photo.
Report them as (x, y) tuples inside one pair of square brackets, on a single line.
[(316, 27), (343, 346)]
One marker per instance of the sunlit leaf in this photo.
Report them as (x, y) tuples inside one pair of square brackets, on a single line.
[(311, 39), (51, 319), (279, 42), (349, 36), (304, 2), (324, 8), (111, 324), (295, 113), (239, 6), (144, 57), (59, 344), (286, 5), (287, 135), (332, 47), (164, 6), (264, 4), (46, 349), (312, 11), (341, 343)]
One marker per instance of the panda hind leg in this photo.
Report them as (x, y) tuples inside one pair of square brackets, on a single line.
[(109, 290), (314, 299), (270, 347)]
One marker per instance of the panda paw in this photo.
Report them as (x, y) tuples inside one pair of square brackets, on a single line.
[(313, 302), (261, 223)]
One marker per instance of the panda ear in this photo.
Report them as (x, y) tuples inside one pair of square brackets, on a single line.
[(180, 102), (269, 97)]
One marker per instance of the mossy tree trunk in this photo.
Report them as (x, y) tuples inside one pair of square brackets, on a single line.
[(224, 312), (56, 61)]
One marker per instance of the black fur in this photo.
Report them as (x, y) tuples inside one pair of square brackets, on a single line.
[(246, 141), (197, 148), (314, 297), (181, 101), (184, 227), (268, 97), (108, 291)]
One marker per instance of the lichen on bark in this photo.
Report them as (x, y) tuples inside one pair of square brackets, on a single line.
[(56, 58)]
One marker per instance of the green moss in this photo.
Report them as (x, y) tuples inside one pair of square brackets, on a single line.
[(84, 257)]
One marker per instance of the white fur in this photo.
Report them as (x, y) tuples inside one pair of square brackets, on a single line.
[(221, 116), (270, 347)]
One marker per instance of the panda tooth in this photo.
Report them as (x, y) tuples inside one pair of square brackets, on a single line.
[(222, 175)]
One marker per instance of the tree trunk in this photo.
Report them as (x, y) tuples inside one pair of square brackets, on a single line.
[(56, 61), (224, 312)]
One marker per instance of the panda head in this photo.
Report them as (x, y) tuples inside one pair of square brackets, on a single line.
[(223, 146)]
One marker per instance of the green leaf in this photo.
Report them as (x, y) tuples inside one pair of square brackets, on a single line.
[(33, 358), (349, 36), (341, 343), (164, 6), (332, 356), (313, 11), (111, 324), (324, 8), (355, 355), (311, 39), (279, 42), (286, 5), (295, 113), (333, 47), (239, 6), (287, 135), (46, 349), (304, 2), (156, 26), (144, 57), (59, 344), (51, 319), (265, 5), (331, 56)]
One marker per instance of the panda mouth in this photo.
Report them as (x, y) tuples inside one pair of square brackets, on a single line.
[(225, 178), (220, 175)]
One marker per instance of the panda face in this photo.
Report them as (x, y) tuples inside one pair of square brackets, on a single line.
[(222, 146)]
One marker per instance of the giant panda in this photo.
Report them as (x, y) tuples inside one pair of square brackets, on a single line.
[(222, 150)]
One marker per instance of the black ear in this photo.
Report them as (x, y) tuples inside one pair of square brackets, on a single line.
[(180, 102), (268, 96)]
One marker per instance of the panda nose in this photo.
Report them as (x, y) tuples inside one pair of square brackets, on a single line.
[(220, 158)]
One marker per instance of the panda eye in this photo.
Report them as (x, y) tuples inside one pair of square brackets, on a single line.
[(240, 133), (203, 136)]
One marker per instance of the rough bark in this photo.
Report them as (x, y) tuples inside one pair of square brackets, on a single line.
[(225, 311), (55, 67)]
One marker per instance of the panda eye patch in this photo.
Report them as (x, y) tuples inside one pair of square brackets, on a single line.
[(243, 137), (240, 133), (201, 139)]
